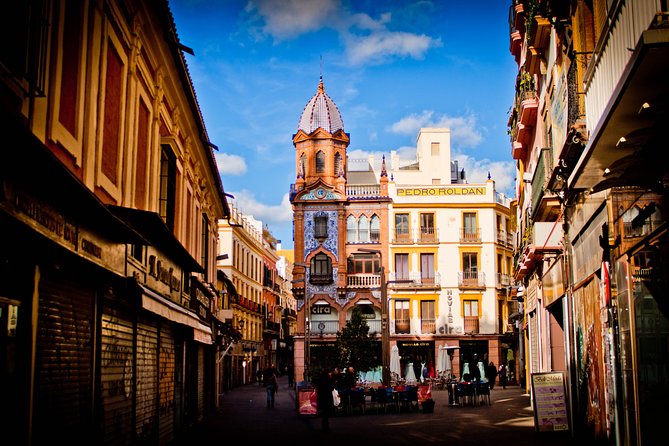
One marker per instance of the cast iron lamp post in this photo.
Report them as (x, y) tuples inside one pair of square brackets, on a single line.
[(307, 320)]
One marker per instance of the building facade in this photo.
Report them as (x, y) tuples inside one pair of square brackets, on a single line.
[(241, 259), (383, 239), (586, 134), (452, 241), (110, 197), (260, 315)]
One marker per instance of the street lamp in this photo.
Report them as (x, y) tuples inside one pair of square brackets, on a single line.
[(385, 327), (307, 320)]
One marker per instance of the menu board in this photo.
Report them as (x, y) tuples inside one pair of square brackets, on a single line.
[(306, 399), (550, 403)]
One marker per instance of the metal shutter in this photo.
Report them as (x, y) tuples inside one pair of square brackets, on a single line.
[(116, 375), (147, 379), (63, 411), (166, 375)]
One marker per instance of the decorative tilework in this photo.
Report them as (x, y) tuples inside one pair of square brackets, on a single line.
[(311, 289), (330, 244), (324, 195)]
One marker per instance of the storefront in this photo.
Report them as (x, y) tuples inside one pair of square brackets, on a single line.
[(414, 357)]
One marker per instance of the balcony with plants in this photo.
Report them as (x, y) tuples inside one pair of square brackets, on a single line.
[(546, 205), (537, 32), (516, 28), (539, 239), (524, 115)]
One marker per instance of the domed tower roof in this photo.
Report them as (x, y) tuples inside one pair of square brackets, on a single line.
[(321, 111)]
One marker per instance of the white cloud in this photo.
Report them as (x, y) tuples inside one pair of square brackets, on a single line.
[(381, 45), (247, 203), (366, 40), (230, 164), (476, 171), (464, 132), (289, 18)]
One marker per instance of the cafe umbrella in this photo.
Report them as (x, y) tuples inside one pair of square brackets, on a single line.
[(395, 366)]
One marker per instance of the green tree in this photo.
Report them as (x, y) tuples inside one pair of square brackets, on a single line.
[(355, 345)]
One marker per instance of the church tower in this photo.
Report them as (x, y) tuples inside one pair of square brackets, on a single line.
[(340, 215), (319, 205)]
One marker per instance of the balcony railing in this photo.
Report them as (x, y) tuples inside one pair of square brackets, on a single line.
[(374, 325), (471, 279), (428, 235), (363, 190), (632, 231), (402, 237), (470, 235), (325, 327), (416, 278), (402, 326), (422, 235), (503, 280), (428, 326), (363, 280), (471, 324)]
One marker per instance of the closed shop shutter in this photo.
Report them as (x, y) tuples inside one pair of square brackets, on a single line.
[(147, 379), (166, 387), (534, 343), (116, 374), (63, 376), (200, 382)]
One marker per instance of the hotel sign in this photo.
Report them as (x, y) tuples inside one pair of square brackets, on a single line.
[(444, 191)]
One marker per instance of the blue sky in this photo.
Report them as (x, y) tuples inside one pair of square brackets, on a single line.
[(390, 66)]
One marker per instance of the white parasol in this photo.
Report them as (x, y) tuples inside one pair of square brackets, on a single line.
[(395, 366)]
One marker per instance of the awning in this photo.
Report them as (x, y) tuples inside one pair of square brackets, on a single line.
[(203, 334), (169, 310), (364, 302), (152, 227)]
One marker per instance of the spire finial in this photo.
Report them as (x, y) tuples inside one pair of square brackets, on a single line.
[(321, 88)]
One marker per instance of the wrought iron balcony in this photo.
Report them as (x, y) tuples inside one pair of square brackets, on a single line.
[(417, 278), (471, 279)]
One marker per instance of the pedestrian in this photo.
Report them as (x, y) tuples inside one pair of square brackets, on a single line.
[(324, 387), (290, 371), (349, 378), (491, 374), (502, 375), (271, 385), (259, 376)]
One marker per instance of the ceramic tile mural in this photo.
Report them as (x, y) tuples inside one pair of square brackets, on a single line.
[(310, 242)]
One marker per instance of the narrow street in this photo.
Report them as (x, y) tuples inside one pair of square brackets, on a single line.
[(245, 416)]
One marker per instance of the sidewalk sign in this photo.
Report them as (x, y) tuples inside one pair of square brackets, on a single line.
[(549, 402), (306, 400)]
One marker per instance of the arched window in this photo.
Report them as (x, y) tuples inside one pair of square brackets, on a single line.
[(320, 162), (337, 164), (374, 229), (363, 229), (321, 269), (303, 165), (351, 233)]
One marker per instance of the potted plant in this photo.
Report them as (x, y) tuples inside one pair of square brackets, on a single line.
[(428, 405)]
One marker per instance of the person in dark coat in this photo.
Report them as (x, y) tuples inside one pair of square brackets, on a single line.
[(502, 375), (324, 387), (491, 374)]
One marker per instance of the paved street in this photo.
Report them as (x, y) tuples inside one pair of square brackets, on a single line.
[(245, 416)]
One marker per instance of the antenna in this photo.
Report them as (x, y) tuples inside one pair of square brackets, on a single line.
[(321, 67)]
